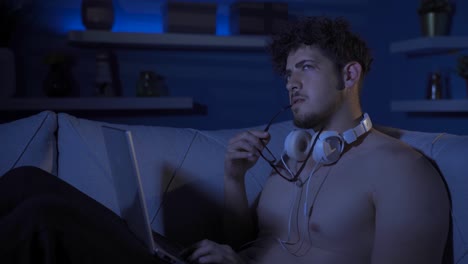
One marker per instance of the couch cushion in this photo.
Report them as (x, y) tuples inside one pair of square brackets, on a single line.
[(29, 141), (205, 163), (187, 162), (449, 153)]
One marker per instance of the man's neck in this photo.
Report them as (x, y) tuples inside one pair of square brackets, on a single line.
[(344, 118)]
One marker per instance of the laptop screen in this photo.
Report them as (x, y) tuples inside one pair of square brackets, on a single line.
[(127, 183), (128, 188)]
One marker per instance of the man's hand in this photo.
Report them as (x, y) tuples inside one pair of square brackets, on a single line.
[(243, 152), (207, 251)]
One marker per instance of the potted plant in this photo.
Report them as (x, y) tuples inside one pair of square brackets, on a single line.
[(462, 69), (435, 16)]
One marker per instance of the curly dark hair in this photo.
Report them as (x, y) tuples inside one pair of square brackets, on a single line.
[(333, 37)]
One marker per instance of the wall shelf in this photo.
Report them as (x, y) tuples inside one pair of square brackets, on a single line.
[(434, 106), (430, 45), (96, 103), (95, 38)]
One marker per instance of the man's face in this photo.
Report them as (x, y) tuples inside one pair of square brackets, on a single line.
[(314, 86)]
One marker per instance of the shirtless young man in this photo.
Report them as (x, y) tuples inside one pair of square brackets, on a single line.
[(380, 203)]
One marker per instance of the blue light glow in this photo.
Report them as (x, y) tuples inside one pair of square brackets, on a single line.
[(70, 19), (222, 20), (140, 23), (65, 22)]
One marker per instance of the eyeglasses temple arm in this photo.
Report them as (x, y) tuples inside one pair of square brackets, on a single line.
[(275, 116)]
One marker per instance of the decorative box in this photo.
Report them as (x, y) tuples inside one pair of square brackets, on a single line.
[(257, 18), (191, 17)]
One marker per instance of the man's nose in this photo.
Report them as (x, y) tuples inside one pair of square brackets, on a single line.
[(293, 84)]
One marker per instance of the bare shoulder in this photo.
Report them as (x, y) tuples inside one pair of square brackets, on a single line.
[(388, 155), (384, 145), (405, 188), (394, 165)]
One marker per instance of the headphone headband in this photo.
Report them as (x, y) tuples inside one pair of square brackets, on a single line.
[(352, 134)]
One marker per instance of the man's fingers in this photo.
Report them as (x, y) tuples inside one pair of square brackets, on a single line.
[(247, 142), (202, 248), (244, 146), (241, 155), (210, 259), (259, 133), (207, 251), (252, 136), (260, 138), (198, 253)]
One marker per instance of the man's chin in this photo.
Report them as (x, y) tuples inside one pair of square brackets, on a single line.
[(300, 123), (306, 122)]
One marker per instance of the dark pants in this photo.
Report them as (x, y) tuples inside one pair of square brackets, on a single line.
[(45, 220)]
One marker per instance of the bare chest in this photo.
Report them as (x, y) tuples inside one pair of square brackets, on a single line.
[(332, 210)]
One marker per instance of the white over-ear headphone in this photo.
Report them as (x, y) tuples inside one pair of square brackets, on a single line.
[(329, 145)]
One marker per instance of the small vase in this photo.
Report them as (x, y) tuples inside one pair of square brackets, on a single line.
[(151, 84), (435, 24), (97, 14), (434, 88)]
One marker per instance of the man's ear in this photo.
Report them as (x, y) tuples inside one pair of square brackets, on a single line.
[(351, 74)]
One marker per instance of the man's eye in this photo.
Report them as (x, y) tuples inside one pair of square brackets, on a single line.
[(306, 67)]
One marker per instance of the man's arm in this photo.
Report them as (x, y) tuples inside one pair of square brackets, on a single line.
[(412, 213), (241, 154), (238, 220)]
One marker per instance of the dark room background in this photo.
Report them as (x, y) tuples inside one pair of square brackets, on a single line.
[(239, 88)]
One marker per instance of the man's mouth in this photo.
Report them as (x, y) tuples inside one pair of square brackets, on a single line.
[(297, 100)]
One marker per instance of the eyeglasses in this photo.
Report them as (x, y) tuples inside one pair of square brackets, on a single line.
[(272, 160)]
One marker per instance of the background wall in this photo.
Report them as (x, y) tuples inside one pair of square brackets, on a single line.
[(240, 89)]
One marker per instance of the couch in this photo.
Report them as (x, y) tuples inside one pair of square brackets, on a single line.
[(185, 167)]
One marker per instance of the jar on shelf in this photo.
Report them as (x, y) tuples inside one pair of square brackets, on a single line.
[(104, 85), (434, 88), (151, 84)]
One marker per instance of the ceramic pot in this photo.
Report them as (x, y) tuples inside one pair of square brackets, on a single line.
[(97, 14)]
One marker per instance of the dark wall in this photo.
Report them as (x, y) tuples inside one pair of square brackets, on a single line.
[(397, 77), (240, 89)]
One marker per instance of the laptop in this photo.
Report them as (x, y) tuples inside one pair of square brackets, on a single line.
[(130, 197)]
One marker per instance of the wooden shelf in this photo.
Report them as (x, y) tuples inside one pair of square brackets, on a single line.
[(434, 106), (97, 103), (430, 45), (95, 38)]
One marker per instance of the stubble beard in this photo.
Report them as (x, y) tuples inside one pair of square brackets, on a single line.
[(310, 121), (316, 121), (320, 120)]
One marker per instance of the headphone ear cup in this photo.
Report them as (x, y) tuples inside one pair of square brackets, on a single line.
[(297, 144), (328, 148)]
